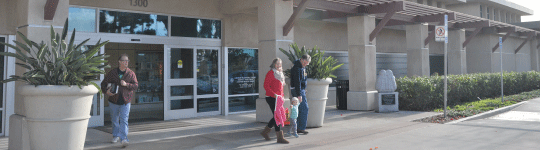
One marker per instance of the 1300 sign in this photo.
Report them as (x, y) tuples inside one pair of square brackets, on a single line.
[(140, 3)]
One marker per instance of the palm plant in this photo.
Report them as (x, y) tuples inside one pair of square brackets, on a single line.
[(320, 67), (60, 63)]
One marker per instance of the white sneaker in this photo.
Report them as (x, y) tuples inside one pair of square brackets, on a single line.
[(115, 139), (125, 143)]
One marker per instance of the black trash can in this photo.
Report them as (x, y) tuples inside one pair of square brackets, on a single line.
[(342, 87)]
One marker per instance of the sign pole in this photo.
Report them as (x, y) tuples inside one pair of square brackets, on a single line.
[(445, 64), (500, 46)]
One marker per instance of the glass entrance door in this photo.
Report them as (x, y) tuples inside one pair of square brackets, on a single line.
[(208, 81), (192, 83), (96, 112)]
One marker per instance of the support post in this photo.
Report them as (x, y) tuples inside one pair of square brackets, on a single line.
[(457, 55), (417, 54), (362, 63), (273, 15)]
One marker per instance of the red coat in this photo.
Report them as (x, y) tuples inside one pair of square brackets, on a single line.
[(272, 85)]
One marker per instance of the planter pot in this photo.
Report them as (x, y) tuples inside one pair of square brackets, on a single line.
[(317, 92), (57, 115)]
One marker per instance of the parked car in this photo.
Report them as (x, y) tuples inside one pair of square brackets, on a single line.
[(207, 85)]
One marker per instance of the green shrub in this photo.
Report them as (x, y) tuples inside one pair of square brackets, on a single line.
[(427, 93)]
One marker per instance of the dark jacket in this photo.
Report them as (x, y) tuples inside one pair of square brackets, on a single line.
[(127, 91), (298, 78)]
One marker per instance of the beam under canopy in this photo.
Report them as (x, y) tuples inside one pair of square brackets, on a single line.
[(435, 17), (327, 5), (476, 24), (530, 35), (50, 9), (381, 25), (296, 14), (382, 8), (475, 32), (506, 29), (503, 39)]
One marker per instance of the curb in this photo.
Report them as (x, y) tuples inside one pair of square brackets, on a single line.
[(489, 113)]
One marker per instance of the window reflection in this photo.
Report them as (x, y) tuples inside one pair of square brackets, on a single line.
[(194, 27), (243, 71), (243, 103), (207, 104), (82, 19), (132, 23), (2, 49), (207, 72)]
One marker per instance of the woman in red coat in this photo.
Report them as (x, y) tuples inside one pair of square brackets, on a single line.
[(273, 85)]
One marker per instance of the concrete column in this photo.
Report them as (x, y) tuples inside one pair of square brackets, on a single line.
[(362, 63), (484, 11), (497, 15), (457, 56), (502, 16), (417, 53), (511, 18), (30, 18), (534, 55), (272, 16), (492, 13)]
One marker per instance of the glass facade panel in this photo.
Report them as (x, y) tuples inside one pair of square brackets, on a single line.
[(207, 104), (243, 71), (194, 27), (82, 19), (181, 63), (207, 72), (132, 23), (181, 104), (149, 72), (244, 103), (2, 68), (185, 90)]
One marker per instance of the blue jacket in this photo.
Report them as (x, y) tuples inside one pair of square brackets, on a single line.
[(298, 78), (294, 112)]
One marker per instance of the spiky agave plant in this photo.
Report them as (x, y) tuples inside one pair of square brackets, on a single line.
[(319, 68), (60, 63)]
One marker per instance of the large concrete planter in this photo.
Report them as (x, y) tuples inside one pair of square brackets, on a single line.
[(317, 94), (57, 115)]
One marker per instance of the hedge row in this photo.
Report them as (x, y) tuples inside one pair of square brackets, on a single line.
[(427, 93)]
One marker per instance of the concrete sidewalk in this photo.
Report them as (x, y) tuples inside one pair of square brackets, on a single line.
[(241, 131)]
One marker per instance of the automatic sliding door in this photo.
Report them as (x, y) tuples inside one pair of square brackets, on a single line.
[(208, 82), (179, 83)]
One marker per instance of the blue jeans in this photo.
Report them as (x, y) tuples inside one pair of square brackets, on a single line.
[(303, 110), (119, 119), (293, 128)]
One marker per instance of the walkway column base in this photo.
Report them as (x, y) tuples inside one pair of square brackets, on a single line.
[(361, 100)]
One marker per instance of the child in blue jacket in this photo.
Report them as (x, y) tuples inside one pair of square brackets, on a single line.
[(294, 115)]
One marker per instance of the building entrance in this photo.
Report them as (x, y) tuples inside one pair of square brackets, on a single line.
[(192, 82), (146, 60)]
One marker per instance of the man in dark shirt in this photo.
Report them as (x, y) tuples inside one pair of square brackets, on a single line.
[(120, 99), (298, 89)]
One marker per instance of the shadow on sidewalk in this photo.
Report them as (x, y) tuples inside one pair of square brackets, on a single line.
[(233, 139)]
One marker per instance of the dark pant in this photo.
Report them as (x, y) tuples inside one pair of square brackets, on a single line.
[(272, 103), (303, 110)]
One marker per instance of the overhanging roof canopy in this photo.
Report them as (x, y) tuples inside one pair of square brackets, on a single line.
[(412, 12)]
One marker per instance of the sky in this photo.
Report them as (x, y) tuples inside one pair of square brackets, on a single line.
[(531, 4)]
